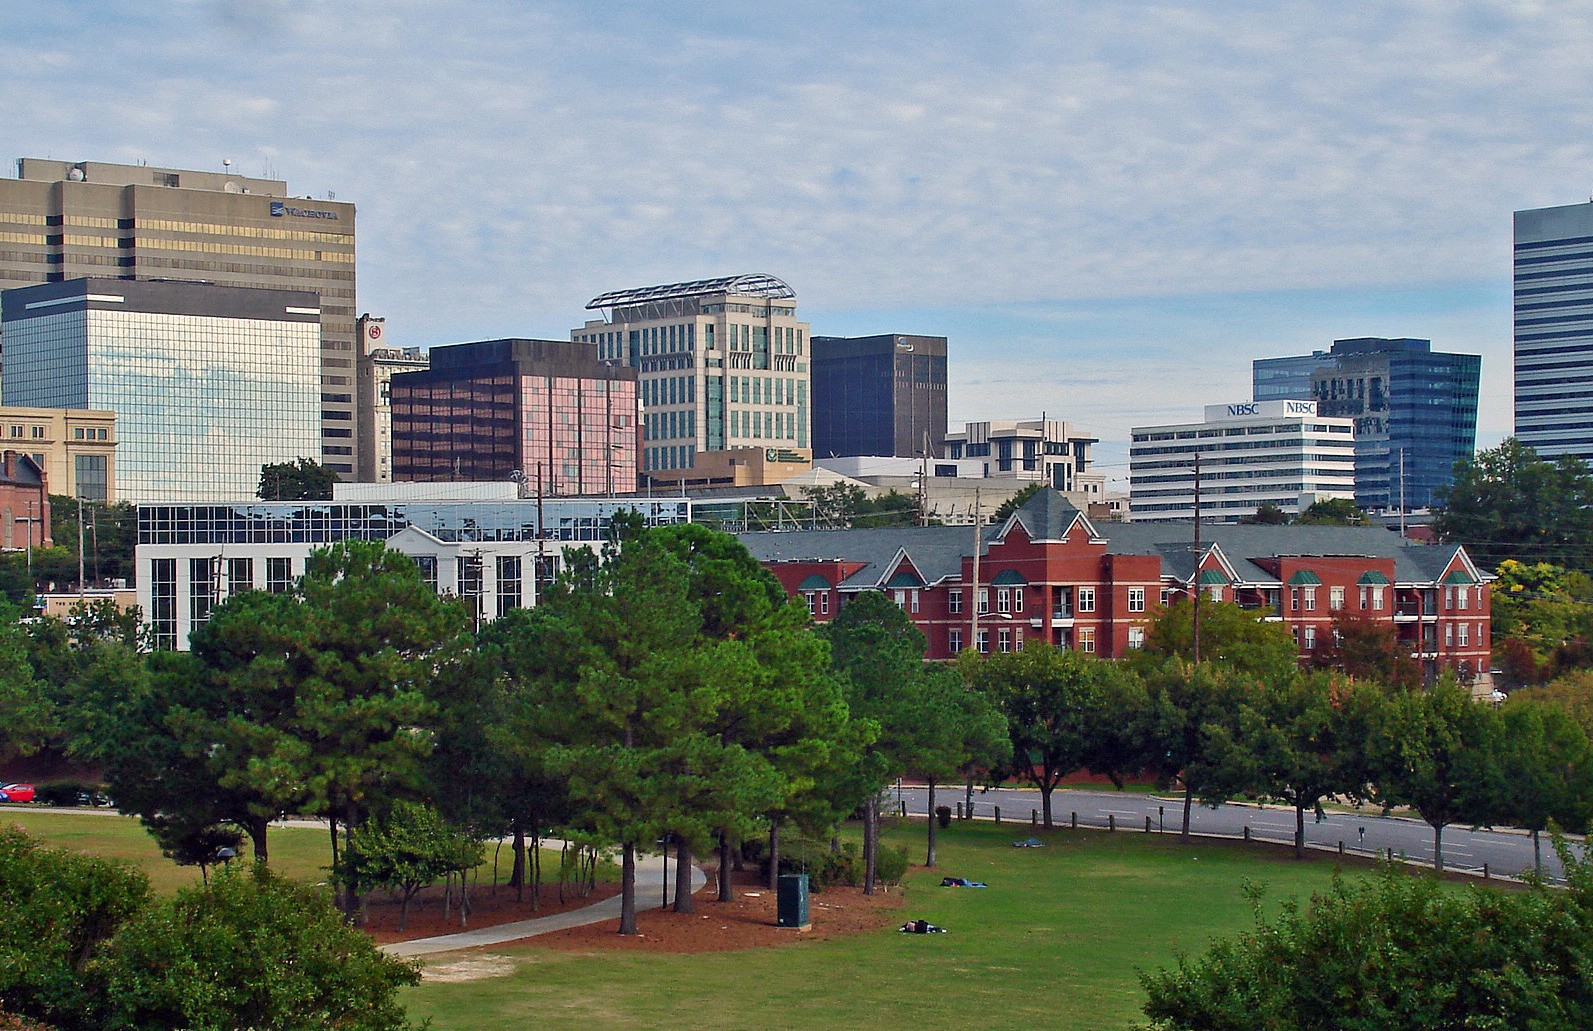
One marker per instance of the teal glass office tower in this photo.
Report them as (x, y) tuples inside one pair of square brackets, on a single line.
[(1415, 411)]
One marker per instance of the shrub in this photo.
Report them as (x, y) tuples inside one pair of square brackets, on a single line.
[(891, 865)]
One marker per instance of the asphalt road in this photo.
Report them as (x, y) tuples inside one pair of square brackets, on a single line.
[(1505, 852)]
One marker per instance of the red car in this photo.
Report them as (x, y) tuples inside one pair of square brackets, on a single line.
[(16, 792)]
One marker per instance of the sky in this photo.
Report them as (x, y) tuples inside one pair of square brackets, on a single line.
[(1108, 208)]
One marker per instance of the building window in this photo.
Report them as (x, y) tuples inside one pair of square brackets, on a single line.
[(428, 570), (982, 642), (1449, 635), (954, 640), (201, 592), (1310, 638), (1294, 599), (1465, 635), (91, 477), (954, 601), (824, 603), (984, 600), (1136, 637), (470, 577), (1004, 639), (1003, 599), (1335, 598), (1377, 599), (1214, 592), (1166, 596), (1017, 599), (1086, 639), (1086, 599), (163, 602), (813, 603), (1136, 599), (1465, 599), (509, 580), (279, 575), (1365, 596), (1310, 599), (1449, 597), (240, 575)]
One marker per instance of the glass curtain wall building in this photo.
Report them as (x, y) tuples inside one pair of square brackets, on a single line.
[(1414, 410), (1554, 330), (879, 395), (63, 220), (541, 411), (722, 363), (208, 383)]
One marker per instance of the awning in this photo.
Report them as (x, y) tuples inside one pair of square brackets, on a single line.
[(814, 582), (1459, 576), (1009, 578), (905, 578), (1305, 578), (1213, 576), (1372, 576)]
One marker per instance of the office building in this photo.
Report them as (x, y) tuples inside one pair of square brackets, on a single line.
[(722, 364), (1048, 451), (879, 395), (1414, 409), (1252, 453), (545, 412), (62, 220), (76, 448), (1554, 330), (208, 383), (378, 362), (493, 554), (1049, 573)]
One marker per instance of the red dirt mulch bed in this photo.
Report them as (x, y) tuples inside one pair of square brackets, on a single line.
[(747, 921), (487, 909)]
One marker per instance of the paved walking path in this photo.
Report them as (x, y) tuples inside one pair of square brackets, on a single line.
[(649, 882)]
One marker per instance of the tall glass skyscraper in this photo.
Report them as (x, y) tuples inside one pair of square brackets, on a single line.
[(208, 383), (1554, 330), (1415, 410)]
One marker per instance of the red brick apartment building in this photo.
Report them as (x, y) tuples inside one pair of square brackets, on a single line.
[(1048, 573)]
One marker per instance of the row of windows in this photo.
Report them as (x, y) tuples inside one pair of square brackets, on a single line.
[(223, 229)]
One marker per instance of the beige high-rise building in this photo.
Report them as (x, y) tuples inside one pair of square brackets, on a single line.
[(63, 220), (76, 447), (723, 365)]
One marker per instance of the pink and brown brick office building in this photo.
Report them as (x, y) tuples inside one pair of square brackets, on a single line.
[(1048, 573)]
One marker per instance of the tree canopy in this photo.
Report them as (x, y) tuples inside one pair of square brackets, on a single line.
[(300, 480), (1507, 502)]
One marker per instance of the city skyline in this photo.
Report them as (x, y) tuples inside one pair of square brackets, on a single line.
[(1109, 211)]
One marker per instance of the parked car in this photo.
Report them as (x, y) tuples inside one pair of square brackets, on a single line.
[(16, 792)]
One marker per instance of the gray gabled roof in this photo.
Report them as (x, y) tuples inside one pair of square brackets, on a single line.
[(935, 551), (1045, 517)]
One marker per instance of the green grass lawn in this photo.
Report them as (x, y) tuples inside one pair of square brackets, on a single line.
[(1054, 942)]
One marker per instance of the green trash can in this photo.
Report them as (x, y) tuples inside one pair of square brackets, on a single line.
[(793, 901)]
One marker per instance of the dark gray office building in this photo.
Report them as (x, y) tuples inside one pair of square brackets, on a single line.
[(879, 395), (1415, 410)]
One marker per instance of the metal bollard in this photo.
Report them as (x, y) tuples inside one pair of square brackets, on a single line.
[(1390, 855), (1034, 817), (1147, 825), (1075, 821), (1111, 821), (1247, 832), (998, 813), (959, 810), (1341, 846), (904, 809), (1485, 871)]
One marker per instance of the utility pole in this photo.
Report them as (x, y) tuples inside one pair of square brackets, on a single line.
[(923, 483), (973, 641), (1197, 560), (1402, 493), (79, 547)]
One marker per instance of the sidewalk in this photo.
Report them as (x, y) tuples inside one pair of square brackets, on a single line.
[(649, 881)]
